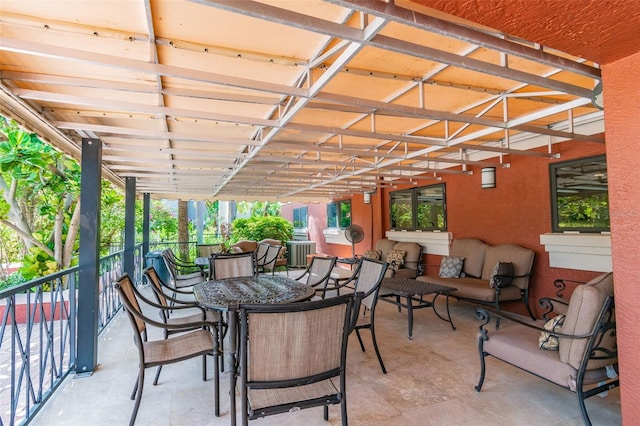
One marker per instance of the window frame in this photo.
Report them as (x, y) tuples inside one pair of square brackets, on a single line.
[(338, 216), (296, 212), (553, 186), (414, 203)]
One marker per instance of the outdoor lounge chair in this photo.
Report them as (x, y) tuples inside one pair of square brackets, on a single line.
[(198, 342), (576, 351), (293, 356)]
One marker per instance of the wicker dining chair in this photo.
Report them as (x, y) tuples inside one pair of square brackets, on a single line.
[(188, 344), (293, 356)]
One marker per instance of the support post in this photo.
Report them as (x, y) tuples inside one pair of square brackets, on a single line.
[(130, 227), (88, 261), (146, 225)]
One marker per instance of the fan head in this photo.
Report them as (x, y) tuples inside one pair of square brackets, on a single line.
[(354, 233)]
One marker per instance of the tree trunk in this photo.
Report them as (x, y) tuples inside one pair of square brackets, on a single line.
[(183, 228), (72, 233)]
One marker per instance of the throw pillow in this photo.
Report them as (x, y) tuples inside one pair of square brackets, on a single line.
[(372, 254), (502, 275), (451, 266), (546, 340), (395, 259)]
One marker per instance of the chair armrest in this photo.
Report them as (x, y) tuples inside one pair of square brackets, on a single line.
[(549, 304)]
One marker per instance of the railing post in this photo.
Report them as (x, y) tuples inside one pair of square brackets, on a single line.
[(88, 263)]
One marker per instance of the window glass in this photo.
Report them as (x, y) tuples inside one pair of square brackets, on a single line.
[(300, 218), (401, 203), (430, 212), (580, 196), (421, 208), (339, 214)]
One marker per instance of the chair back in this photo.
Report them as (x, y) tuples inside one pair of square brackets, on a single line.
[(270, 257), (368, 279), (306, 340), (319, 270), (156, 285), (233, 265), (127, 294), (206, 250), (261, 252)]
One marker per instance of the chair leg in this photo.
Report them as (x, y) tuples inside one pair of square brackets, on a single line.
[(204, 368), (360, 339), (138, 393), (155, 381), (326, 412), (375, 346)]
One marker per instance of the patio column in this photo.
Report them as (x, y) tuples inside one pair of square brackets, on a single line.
[(128, 261), (88, 260), (621, 100), (146, 226)]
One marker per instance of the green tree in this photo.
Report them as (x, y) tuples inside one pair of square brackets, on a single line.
[(40, 199), (261, 227)]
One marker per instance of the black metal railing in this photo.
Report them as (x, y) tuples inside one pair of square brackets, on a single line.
[(38, 334)]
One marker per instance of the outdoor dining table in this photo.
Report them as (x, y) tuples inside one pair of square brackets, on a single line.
[(227, 295)]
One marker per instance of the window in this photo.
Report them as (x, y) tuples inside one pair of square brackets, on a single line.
[(579, 195), (339, 214), (419, 208), (300, 218)]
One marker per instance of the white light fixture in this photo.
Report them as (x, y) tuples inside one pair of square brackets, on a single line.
[(367, 197), (488, 177)]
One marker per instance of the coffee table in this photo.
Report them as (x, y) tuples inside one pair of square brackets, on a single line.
[(395, 288)]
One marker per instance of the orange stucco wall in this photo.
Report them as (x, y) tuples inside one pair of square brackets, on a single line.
[(517, 211), (622, 121)]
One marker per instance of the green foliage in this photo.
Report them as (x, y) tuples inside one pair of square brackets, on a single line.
[(12, 280), (37, 263), (259, 228), (580, 211), (163, 223)]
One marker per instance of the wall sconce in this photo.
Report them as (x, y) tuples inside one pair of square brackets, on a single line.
[(488, 177), (367, 197)]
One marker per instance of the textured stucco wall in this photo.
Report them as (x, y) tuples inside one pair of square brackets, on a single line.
[(622, 123)]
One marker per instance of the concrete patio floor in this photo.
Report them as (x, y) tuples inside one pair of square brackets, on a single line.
[(430, 381)]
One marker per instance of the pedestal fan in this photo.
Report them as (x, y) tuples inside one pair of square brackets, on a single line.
[(354, 234)]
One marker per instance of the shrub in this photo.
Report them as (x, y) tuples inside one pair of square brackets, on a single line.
[(259, 228)]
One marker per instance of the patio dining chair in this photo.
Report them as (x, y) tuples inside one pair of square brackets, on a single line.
[(293, 356), (272, 259), (188, 344), (318, 272), (366, 280), (180, 280), (233, 265)]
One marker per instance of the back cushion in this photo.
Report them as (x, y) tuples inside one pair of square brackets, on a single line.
[(473, 251), (582, 313), (412, 253), (522, 259), (384, 246)]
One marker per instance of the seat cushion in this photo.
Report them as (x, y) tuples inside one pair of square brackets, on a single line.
[(385, 245)]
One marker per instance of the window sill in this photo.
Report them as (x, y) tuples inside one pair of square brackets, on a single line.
[(335, 236), (434, 242), (588, 252)]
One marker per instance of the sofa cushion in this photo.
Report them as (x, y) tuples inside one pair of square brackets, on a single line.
[(473, 251), (395, 259), (522, 259), (450, 266), (412, 255), (372, 254), (547, 341), (474, 288), (583, 310), (384, 245), (502, 275)]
